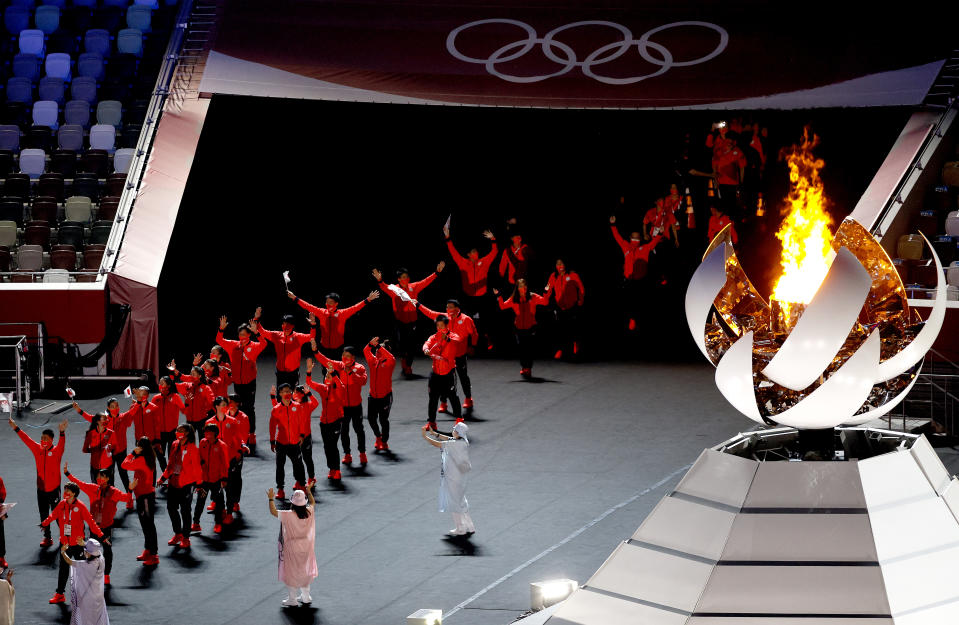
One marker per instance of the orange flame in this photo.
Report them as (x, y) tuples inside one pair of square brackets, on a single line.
[(805, 235)]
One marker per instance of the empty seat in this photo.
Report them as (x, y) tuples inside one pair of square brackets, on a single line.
[(116, 183), (153, 4), (90, 64), (108, 208), (77, 112), (39, 137), (116, 90), (131, 135), (70, 137), (110, 112), (56, 3), (70, 235), (22, 275), (86, 185), (64, 260), (26, 65), (952, 224), (45, 207), (122, 159), (36, 234), (91, 4), (47, 18), (65, 42), (11, 209), (46, 113), (33, 162), (97, 40), (130, 41), (120, 4), (16, 19), (4, 258), (101, 233), (30, 258), (910, 247), (8, 233), (79, 209), (10, 138), (6, 163), (84, 88), (20, 89), (92, 257), (56, 275), (32, 41), (63, 162), (17, 113), (17, 185), (51, 88), (139, 17), (58, 65), (96, 162)]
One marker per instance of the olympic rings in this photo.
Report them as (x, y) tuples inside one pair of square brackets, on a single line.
[(567, 58)]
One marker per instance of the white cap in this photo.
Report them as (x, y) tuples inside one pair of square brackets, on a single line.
[(92, 547), (298, 498)]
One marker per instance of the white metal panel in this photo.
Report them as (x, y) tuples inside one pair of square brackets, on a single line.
[(923, 582), (785, 620), (931, 465), (892, 478), (947, 614), (705, 284), (800, 538), (734, 377), (913, 527), (687, 526), (592, 608), (806, 485), (951, 497), (719, 477)]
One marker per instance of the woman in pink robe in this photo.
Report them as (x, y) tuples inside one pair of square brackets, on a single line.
[(297, 546)]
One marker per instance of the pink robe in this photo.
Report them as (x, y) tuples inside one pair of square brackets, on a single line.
[(297, 549)]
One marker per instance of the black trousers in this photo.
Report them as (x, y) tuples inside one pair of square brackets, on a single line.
[(124, 478), (635, 296), (160, 454), (330, 433), (567, 329), (378, 413), (293, 453), (178, 500), (247, 393), (166, 441), (526, 342), (306, 450), (482, 309), (47, 500), (406, 341), (353, 415), (107, 548), (75, 552), (216, 496), (287, 377), (442, 387), (462, 373), (234, 483), (146, 512)]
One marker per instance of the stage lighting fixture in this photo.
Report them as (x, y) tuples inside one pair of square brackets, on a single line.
[(425, 617), (544, 594)]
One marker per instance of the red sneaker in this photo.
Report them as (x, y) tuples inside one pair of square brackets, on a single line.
[(337, 475), (153, 560), (468, 403), (227, 518), (217, 528), (46, 542), (363, 459), (558, 354), (385, 447), (175, 540), (459, 420), (211, 507), (280, 494), (298, 486), (58, 598), (236, 507), (347, 459), (329, 475), (526, 373), (130, 505), (575, 347), (632, 325), (196, 528), (185, 543), (106, 580), (3, 563), (443, 407), (143, 556), (378, 444), (311, 483), (432, 425)]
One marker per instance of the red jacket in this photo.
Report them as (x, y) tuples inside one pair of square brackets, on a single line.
[(442, 348), (244, 422), (214, 460), (309, 403), (220, 385), (119, 425), (146, 420), (661, 222), (381, 366), (198, 400), (170, 406), (331, 395), (728, 166), (404, 311), (460, 324), (635, 255), (74, 515), (287, 347), (353, 379), (3, 491), (286, 423), (516, 261), (103, 501), (473, 273), (99, 446), (716, 224), (142, 473), (243, 355), (183, 466), (332, 324), (231, 433), (525, 310), (47, 460), (567, 290)]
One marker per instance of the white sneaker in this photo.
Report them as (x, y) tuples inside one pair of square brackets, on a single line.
[(305, 599), (289, 602), (455, 532)]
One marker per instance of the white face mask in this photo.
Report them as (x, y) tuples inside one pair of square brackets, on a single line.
[(635, 240)]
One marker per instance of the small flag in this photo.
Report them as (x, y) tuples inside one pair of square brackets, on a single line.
[(6, 402), (400, 293), (128, 392), (286, 277), (71, 393), (5, 508), (448, 219)]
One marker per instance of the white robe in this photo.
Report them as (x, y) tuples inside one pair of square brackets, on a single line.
[(86, 592), (453, 471), (7, 601), (297, 549)]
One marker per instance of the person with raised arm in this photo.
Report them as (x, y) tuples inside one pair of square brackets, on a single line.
[(635, 267), (103, 498), (514, 264), (464, 327), (142, 461), (218, 378), (70, 515), (330, 392), (86, 583), (353, 377), (47, 458), (183, 474), (119, 423), (243, 354), (197, 395), (441, 348), (331, 320), (97, 443), (288, 345), (474, 274), (403, 293), (286, 436), (565, 289), (380, 363), (454, 470), (523, 303), (297, 546)]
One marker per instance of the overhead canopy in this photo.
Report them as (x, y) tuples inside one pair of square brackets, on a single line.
[(571, 53)]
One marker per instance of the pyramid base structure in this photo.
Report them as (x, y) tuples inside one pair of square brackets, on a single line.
[(754, 535)]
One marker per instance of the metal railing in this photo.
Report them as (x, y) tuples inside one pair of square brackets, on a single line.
[(13, 369), (934, 400)]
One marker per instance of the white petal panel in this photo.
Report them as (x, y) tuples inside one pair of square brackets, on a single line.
[(706, 283), (875, 413), (914, 352), (734, 377), (824, 326), (840, 395)]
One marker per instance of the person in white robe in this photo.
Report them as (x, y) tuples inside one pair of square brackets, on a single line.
[(86, 585), (8, 597), (454, 469), (297, 546)]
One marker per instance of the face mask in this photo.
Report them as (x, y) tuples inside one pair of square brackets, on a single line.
[(46, 444), (209, 436), (114, 411), (180, 436)]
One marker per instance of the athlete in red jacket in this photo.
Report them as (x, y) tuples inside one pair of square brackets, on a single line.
[(353, 377), (234, 488), (405, 312), (70, 514), (565, 289), (523, 303), (103, 498), (243, 354), (308, 404), (218, 378), (288, 345), (330, 391), (286, 433), (234, 434), (119, 423), (215, 467), (47, 458), (331, 320), (142, 461), (474, 270), (3, 540), (635, 265), (197, 395), (442, 348), (380, 400), (169, 406), (147, 421), (183, 474), (97, 442), (462, 325), (718, 221)]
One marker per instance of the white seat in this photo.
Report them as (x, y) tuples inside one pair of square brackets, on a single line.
[(122, 159), (103, 137), (952, 273), (952, 224), (56, 275), (46, 113), (32, 42), (33, 162), (58, 65), (78, 208), (30, 257), (8, 233)]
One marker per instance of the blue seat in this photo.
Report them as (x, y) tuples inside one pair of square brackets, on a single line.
[(139, 17), (20, 90), (10, 138), (77, 112), (122, 159), (32, 41), (97, 40), (46, 113), (130, 41), (120, 4), (103, 137), (47, 18), (27, 4), (33, 162), (84, 88), (153, 4), (51, 88), (16, 19), (62, 4), (89, 4), (91, 64), (70, 137), (58, 64), (110, 112), (26, 66)]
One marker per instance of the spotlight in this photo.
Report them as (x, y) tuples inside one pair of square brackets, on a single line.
[(544, 594), (425, 617)]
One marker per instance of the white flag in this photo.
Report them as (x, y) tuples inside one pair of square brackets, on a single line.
[(6, 402), (71, 393), (6, 507), (286, 277), (400, 293), (128, 392), (447, 226)]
